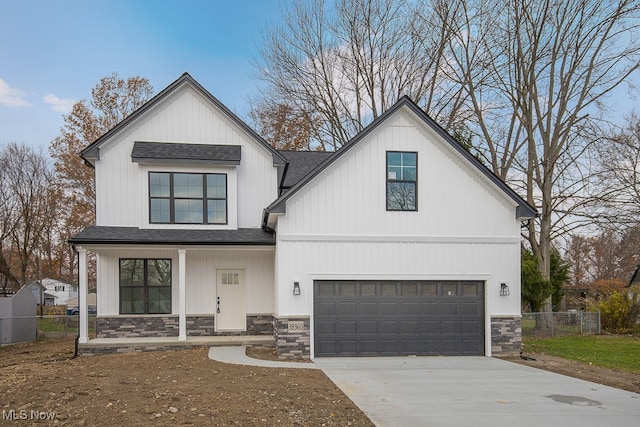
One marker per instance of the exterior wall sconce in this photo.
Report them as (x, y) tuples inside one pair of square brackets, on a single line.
[(296, 288), (504, 290)]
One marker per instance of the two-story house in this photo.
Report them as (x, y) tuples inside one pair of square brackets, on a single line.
[(53, 292), (399, 243)]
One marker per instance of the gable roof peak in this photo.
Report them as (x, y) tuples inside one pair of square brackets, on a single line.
[(524, 210), (91, 152)]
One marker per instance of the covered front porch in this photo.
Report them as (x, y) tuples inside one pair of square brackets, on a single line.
[(202, 289)]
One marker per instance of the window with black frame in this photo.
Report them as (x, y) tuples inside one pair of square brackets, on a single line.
[(145, 286), (402, 181), (187, 198)]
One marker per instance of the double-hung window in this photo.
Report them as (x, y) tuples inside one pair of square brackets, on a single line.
[(187, 198), (145, 286), (402, 181)]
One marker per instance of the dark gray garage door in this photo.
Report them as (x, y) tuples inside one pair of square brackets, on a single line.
[(396, 318)]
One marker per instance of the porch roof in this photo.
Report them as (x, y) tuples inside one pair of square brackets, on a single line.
[(133, 235)]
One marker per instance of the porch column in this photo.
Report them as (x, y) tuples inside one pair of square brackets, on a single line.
[(83, 288), (182, 295)]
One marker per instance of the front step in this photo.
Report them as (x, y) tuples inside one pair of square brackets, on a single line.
[(139, 344)]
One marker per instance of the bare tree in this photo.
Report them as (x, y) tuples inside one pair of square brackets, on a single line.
[(286, 128), (28, 181), (349, 63), (618, 176), (7, 222), (538, 74)]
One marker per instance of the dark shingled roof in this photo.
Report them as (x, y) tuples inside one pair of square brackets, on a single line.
[(133, 235), (156, 152), (300, 164)]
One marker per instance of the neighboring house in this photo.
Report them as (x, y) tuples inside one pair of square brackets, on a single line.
[(400, 243), (53, 292), (18, 317)]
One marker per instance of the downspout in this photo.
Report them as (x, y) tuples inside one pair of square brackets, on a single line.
[(75, 353)]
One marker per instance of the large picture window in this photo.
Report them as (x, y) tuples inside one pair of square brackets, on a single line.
[(145, 286), (402, 181), (187, 198)]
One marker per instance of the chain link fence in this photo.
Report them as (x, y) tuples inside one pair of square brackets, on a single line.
[(560, 323), (42, 327)]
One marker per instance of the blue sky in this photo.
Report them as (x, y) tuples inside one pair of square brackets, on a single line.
[(52, 53)]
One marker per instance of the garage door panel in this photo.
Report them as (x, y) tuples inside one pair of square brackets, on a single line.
[(470, 327), (347, 327), (323, 327), (367, 307), (389, 308), (411, 308), (368, 327), (389, 327), (325, 308), (388, 347), (450, 347), (349, 347), (387, 318), (430, 325), (409, 326), (369, 346), (450, 327), (449, 308), (411, 347), (326, 347), (430, 308), (469, 308), (347, 308)]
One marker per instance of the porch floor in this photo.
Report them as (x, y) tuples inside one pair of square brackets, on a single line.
[(99, 345)]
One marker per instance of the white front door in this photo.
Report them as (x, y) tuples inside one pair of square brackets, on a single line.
[(231, 307)]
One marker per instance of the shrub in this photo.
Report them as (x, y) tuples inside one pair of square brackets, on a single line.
[(619, 310)]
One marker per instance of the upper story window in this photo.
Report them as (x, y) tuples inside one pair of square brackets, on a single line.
[(187, 198), (402, 181)]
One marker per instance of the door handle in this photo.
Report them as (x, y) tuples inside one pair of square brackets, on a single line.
[(218, 309)]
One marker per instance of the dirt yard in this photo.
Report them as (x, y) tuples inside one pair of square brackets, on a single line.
[(610, 377), (162, 389), (40, 380)]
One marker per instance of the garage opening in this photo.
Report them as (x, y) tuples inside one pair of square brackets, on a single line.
[(398, 318)]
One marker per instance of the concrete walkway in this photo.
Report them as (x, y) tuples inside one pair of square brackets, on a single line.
[(476, 391), (237, 355)]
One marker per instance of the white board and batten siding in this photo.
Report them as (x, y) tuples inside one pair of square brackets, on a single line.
[(185, 117), (201, 267), (338, 227)]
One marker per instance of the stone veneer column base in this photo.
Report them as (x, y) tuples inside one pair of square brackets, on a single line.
[(506, 336), (292, 342)]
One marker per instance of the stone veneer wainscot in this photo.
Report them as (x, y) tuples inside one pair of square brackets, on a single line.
[(506, 336), (168, 326)]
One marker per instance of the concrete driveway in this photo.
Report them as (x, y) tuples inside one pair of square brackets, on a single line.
[(476, 391)]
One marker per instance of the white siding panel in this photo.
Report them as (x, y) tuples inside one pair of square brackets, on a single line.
[(201, 266), (183, 117)]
